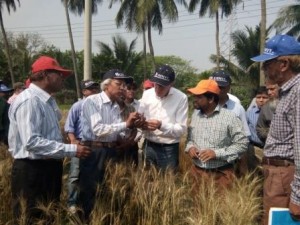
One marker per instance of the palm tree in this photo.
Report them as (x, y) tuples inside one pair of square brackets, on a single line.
[(245, 45), (213, 7), (289, 18), (77, 7), (122, 56), (10, 4), (140, 15)]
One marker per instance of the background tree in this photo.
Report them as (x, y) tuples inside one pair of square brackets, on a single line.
[(121, 56), (289, 19), (77, 7), (10, 4), (141, 15), (212, 8)]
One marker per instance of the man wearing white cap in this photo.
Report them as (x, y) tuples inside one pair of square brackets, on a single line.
[(281, 161)]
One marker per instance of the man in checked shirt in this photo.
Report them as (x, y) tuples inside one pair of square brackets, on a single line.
[(216, 137), (281, 161)]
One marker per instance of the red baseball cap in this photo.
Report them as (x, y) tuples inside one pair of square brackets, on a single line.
[(148, 84), (48, 63)]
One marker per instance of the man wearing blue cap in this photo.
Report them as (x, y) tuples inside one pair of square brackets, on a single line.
[(281, 161), (101, 126)]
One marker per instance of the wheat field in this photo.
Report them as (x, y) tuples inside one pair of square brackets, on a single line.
[(135, 196)]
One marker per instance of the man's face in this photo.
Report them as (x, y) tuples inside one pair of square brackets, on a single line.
[(261, 99), (130, 92), (200, 102), (224, 90), (55, 80), (272, 71), (161, 91), (272, 90), (90, 91), (116, 89)]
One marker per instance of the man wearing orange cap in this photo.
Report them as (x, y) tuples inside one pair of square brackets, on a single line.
[(216, 137), (36, 143)]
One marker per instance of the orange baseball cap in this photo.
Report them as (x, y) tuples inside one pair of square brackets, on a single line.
[(205, 86), (48, 63)]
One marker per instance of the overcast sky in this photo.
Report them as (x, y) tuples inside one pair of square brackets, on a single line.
[(191, 38)]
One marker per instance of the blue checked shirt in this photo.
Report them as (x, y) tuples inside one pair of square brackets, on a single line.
[(221, 132), (101, 120), (34, 131), (284, 135), (252, 117)]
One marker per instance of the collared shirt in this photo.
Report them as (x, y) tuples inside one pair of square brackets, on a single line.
[(101, 119), (34, 130), (284, 135), (252, 117), (135, 104), (239, 111), (221, 132), (12, 98), (264, 119), (72, 124), (171, 110)]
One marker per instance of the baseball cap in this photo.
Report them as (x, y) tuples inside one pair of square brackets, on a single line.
[(279, 45), (86, 84), (148, 84), (48, 63), (117, 74), (205, 86), (221, 77), (4, 88), (164, 75)]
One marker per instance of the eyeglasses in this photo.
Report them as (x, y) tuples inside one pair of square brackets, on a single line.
[(268, 63)]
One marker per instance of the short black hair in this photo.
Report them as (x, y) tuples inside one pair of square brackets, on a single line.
[(261, 90)]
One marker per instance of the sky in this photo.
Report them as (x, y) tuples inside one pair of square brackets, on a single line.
[(191, 38)]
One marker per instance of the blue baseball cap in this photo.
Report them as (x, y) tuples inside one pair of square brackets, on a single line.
[(4, 88), (279, 45)]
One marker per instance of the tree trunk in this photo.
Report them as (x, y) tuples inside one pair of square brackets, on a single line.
[(72, 50), (263, 28), (7, 50), (144, 52), (217, 40), (87, 40), (150, 43)]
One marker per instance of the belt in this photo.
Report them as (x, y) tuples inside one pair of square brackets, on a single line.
[(225, 167), (159, 144), (276, 161), (99, 144), (256, 144)]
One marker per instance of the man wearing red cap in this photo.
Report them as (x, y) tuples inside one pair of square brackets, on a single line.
[(216, 137), (36, 143)]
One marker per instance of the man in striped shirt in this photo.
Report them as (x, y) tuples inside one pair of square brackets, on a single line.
[(101, 126), (36, 143), (216, 137), (281, 161)]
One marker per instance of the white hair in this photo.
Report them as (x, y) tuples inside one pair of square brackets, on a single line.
[(105, 83)]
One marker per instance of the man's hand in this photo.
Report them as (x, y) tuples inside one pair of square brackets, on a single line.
[(133, 118), (295, 211), (193, 152), (207, 154), (152, 124), (83, 151)]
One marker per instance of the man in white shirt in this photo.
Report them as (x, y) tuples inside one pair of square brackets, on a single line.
[(166, 111)]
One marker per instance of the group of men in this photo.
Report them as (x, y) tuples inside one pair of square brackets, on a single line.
[(101, 124)]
